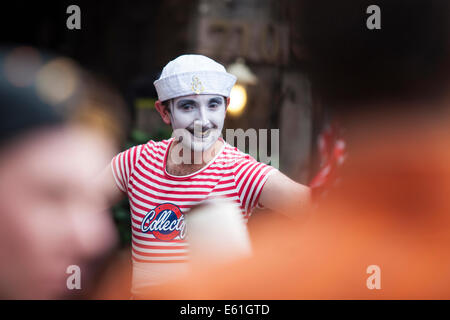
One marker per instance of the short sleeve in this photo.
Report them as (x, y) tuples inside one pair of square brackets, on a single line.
[(123, 164), (250, 177)]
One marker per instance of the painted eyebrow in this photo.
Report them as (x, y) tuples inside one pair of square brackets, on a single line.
[(185, 101), (216, 100)]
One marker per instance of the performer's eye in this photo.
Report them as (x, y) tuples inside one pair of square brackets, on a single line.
[(214, 103), (186, 107)]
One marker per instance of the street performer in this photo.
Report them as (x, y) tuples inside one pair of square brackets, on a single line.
[(163, 180)]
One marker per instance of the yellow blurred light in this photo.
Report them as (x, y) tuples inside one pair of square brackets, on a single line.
[(238, 100)]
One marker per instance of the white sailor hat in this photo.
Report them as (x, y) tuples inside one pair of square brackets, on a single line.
[(193, 74)]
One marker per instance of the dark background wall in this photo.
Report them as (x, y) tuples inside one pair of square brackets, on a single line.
[(126, 44)]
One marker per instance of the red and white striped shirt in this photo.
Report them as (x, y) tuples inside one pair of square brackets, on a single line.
[(159, 200)]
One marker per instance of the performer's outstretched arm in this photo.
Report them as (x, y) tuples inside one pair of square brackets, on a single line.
[(282, 194)]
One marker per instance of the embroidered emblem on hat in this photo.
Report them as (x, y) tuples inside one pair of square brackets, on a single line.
[(196, 85)]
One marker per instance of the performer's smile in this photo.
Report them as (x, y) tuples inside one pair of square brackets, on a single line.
[(201, 132)]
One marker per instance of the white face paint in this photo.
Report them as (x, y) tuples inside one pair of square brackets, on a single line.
[(198, 119)]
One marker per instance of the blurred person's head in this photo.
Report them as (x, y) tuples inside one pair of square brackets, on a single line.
[(193, 93), (49, 217)]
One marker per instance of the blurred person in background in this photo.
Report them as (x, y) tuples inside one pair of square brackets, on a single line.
[(384, 231), (55, 137), (165, 179)]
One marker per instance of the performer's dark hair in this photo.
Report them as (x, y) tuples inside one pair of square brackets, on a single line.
[(165, 103)]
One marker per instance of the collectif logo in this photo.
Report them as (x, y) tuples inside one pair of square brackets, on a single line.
[(165, 221)]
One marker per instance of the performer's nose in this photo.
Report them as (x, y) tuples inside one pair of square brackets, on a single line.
[(203, 117), (198, 125)]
